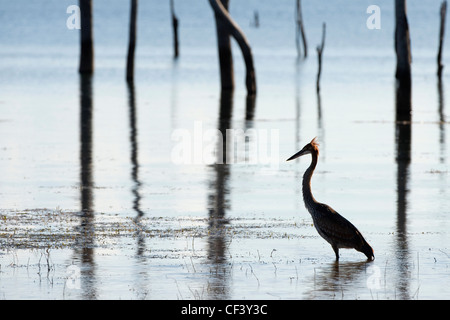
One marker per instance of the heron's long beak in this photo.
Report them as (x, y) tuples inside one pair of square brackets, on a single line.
[(298, 154)]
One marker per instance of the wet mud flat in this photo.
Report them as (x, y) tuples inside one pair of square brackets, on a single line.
[(53, 254)]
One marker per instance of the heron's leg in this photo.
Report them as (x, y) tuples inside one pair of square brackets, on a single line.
[(336, 251)]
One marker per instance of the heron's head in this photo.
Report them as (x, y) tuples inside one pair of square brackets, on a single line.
[(312, 147)]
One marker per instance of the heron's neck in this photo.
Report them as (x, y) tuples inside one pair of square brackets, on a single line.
[(307, 194)]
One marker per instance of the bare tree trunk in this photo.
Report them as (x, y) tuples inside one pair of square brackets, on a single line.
[(231, 28), (300, 30), (256, 19), (132, 41), (441, 37), (403, 51), (250, 104), (225, 53), (175, 30), (402, 41), (319, 56), (87, 42)]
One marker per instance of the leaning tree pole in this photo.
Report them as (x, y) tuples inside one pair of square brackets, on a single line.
[(132, 41), (226, 27), (443, 13), (300, 30), (87, 42), (225, 53), (175, 30), (403, 52), (319, 56)]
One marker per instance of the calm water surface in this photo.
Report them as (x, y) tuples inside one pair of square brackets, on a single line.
[(100, 191)]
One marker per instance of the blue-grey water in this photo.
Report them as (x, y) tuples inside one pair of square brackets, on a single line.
[(153, 228)]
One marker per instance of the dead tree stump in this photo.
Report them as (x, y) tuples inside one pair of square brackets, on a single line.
[(300, 30), (319, 56), (226, 26), (443, 14), (403, 71), (132, 41), (87, 42)]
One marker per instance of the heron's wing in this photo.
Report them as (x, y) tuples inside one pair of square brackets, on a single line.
[(335, 226)]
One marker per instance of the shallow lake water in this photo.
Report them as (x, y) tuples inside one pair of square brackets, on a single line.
[(109, 191)]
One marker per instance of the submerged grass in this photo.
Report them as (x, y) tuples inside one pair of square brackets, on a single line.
[(53, 229)]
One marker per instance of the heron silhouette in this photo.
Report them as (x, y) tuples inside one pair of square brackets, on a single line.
[(334, 228)]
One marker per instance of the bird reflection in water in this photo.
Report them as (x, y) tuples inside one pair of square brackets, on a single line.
[(338, 280)]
